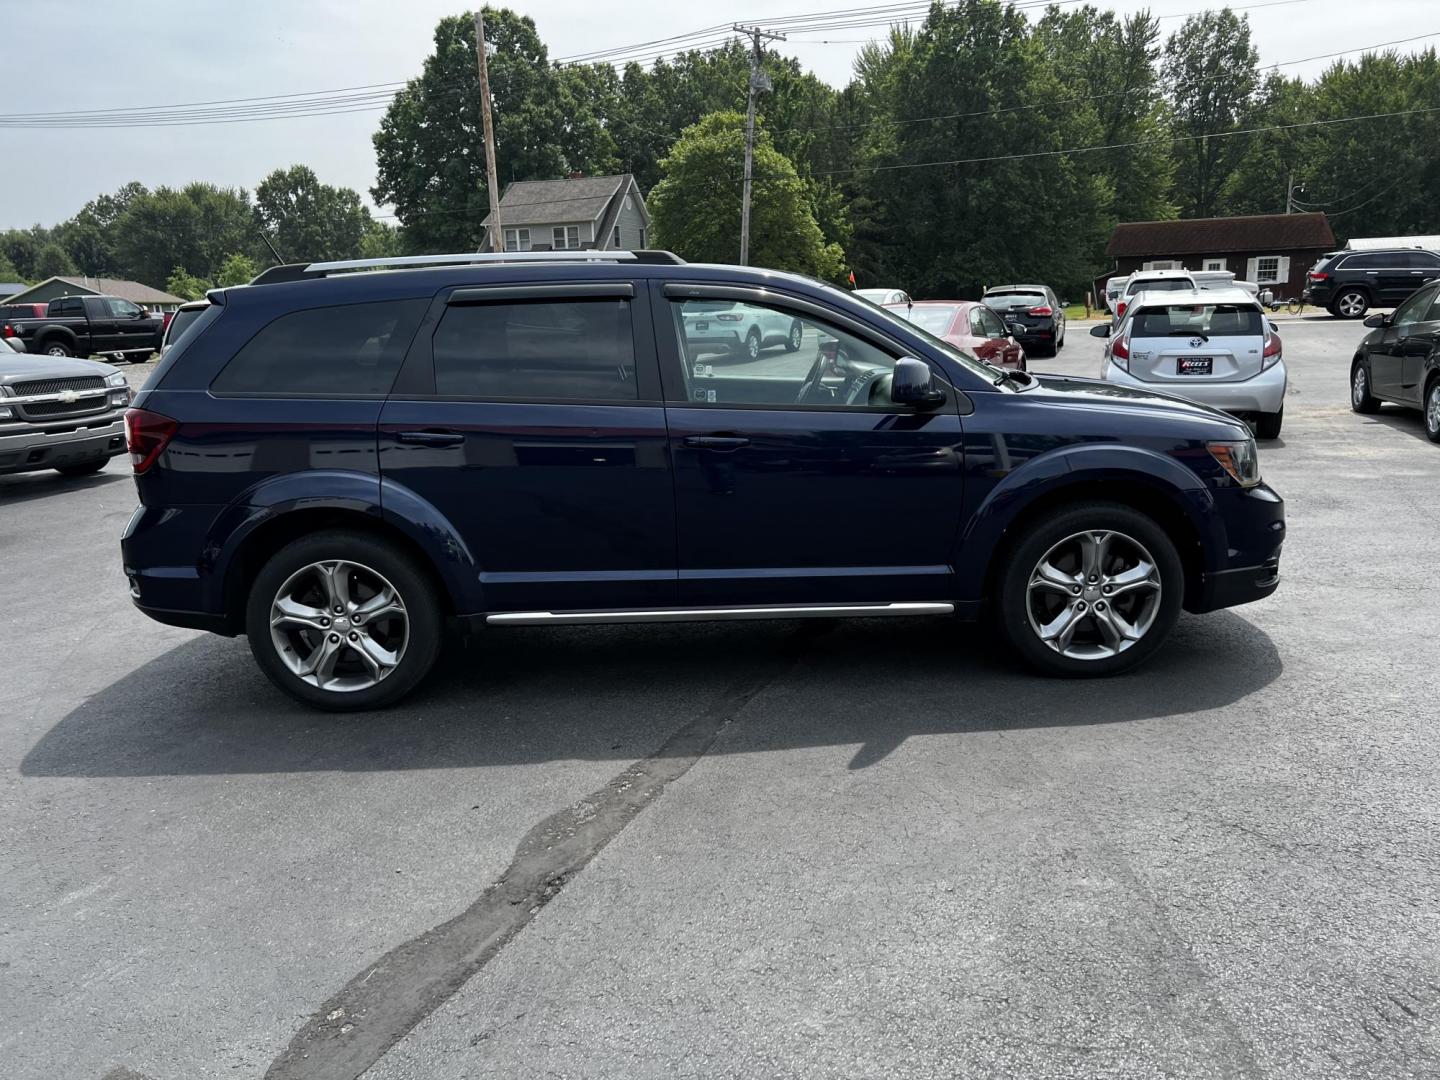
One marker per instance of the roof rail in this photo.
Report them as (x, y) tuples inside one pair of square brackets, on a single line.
[(306, 271)]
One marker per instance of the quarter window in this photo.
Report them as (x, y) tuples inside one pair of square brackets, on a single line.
[(354, 350), (571, 350), (740, 354)]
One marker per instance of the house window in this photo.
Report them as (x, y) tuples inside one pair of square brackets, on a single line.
[(1214, 264), (517, 239), (1163, 264), (567, 237), (1267, 270)]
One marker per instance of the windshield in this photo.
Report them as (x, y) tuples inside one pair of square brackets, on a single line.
[(932, 318), (1173, 284), (1017, 299), (1209, 320)]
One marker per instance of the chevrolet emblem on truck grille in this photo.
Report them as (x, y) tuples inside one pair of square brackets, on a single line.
[(68, 396)]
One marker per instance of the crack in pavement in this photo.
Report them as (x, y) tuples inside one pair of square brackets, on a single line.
[(381, 1004)]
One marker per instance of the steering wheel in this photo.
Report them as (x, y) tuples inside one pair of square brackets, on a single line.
[(862, 389), (813, 391)]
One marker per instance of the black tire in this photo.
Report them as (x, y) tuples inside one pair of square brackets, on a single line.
[(1268, 425), (753, 344), (1354, 302), (1361, 399), (83, 469), (422, 606), (1060, 341), (1430, 402), (1012, 602), (795, 337), (56, 347)]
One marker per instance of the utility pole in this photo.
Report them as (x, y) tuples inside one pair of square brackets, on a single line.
[(759, 81), (1290, 188), (497, 231)]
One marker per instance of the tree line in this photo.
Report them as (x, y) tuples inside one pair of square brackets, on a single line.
[(975, 147)]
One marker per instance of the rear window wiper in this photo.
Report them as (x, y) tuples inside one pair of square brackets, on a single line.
[(1190, 333)]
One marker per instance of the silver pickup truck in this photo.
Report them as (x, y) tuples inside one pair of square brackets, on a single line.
[(59, 412)]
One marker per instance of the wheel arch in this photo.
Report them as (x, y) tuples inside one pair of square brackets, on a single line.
[(63, 333)]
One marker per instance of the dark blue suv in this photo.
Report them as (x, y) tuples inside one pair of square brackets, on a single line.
[(341, 461)]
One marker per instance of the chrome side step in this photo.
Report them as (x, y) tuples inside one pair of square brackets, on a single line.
[(715, 614)]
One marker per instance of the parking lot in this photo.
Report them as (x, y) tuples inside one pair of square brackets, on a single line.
[(876, 848)]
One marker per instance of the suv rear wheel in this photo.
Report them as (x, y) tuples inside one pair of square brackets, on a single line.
[(343, 621), (1350, 303), (1092, 590)]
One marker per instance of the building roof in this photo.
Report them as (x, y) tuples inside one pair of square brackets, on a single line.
[(1204, 236), (554, 202), (10, 288), (1356, 243), (133, 291)]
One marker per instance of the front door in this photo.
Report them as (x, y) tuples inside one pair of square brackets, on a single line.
[(530, 418), (797, 480), (1388, 356), (994, 343), (1419, 345)]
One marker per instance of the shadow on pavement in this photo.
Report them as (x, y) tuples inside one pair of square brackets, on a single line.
[(1406, 421), (528, 696), (22, 487)]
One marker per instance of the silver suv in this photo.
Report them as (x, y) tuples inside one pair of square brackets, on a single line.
[(1213, 346)]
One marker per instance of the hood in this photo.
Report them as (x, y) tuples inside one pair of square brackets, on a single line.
[(1106, 395), (19, 367)]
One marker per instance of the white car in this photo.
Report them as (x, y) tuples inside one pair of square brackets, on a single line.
[(885, 297), (1152, 280), (739, 330), (1212, 346)]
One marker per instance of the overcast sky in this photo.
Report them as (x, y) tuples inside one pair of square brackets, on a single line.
[(131, 53)]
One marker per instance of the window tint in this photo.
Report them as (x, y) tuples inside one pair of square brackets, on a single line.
[(1416, 260), (1368, 262), (752, 354), (987, 324), (1413, 310), (1212, 320), (180, 322), (355, 349), (569, 350), (120, 309), (60, 308), (1434, 314)]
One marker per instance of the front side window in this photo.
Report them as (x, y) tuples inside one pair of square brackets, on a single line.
[(1414, 310), (1209, 320), (739, 354), (1417, 260), (517, 239), (985, 323), (566, 237), (121, 309), (545, 350), (352, 350)]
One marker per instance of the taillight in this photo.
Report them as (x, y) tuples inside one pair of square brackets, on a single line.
[(1120, 353), (1271, 355), (1043, 309), (729, 317), (1319, 275), (146, 435), (7, 331), (1120, 310)]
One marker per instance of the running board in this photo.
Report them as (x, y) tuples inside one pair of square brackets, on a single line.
[(714, 614)]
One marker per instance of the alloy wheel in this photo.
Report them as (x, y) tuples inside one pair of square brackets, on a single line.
[(57, 350), (1352, 305), (1358, 389), (339, 625), (796, 336), (1432, 408), (1093, 595), (752, 346)]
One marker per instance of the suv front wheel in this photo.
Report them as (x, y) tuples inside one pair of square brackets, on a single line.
[(343, 621), (1092, 590)]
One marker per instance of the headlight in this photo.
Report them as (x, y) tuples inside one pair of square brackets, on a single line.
[(1240, 459), (118, 379)]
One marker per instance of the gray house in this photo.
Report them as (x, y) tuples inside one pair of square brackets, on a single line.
[(136, 293), (604, 213)]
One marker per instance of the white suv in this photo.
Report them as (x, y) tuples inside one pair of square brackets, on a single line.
[(1153, 280), (738, 330), (1214, 346)]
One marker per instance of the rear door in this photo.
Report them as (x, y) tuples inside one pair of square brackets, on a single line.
[(531, 419), (104, 332), (1176, 344), (797, 480)]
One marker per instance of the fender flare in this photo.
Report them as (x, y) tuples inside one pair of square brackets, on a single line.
[(1075, 467), (47, 333)]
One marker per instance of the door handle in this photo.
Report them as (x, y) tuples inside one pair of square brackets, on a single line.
[(716, 442), (430, 438)]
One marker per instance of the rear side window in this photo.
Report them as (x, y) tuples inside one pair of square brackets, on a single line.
[(61, 308), (351, 350), (1212, 320), (1368, 262), (570, 350)]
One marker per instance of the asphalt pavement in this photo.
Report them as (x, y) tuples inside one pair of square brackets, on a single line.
[(744, 850)]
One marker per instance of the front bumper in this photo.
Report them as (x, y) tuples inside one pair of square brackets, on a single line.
[(1254, 534), (36, 448), (1264, 393)]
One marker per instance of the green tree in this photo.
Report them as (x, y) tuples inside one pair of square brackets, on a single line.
[(197, 227), (696, 207), (1211, 72), (21, 246), (429, 151), (236, 270), (306, 219), (381, 240), (52, 260), (7, 269), (186, 285)]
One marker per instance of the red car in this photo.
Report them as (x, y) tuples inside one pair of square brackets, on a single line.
[(968, 325)]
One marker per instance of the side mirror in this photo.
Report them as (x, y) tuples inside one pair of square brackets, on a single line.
[(1100, 330), (913, 384), (1375, 322)]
